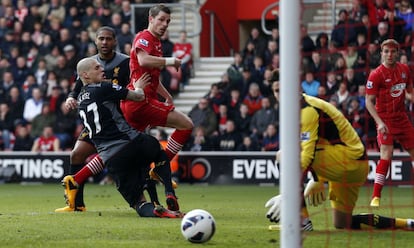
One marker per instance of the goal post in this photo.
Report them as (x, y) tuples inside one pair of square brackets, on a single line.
[(290, 235)]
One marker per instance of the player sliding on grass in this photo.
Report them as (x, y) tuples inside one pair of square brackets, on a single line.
[(333, 152), (126, 152), (387, 88)]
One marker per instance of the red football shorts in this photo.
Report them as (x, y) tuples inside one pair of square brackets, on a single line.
[(400, 129), (148, 113)]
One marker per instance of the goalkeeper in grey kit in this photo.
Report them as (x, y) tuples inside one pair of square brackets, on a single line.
[(123, 150), (333, 152)]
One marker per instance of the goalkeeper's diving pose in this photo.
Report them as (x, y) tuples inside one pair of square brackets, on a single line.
[(333, 152)]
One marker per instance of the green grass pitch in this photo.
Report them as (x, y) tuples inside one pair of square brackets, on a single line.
[(27, 219)]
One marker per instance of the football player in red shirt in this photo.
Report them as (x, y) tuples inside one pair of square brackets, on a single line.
[(146, 57), (387, 88)]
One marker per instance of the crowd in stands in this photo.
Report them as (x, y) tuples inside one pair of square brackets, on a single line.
[(41, 42), (240, 113)]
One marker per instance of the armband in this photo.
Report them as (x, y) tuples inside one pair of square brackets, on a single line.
[(170, 61)]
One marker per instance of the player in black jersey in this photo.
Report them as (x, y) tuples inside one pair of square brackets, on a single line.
[(116, 68), (123, 150)]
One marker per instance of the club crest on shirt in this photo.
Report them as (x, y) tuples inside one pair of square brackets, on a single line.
[(143, 42), (403, 75), (304, 136), (369, 85)]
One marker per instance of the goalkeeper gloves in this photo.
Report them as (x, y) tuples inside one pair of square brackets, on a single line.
[(274, 212), (314, 193)]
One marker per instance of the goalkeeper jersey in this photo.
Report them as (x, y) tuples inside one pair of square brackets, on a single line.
[(323, 124)]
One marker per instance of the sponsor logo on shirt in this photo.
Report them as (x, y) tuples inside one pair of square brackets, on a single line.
[(143, 42), (304, 136), (397, 89), (116, 86)]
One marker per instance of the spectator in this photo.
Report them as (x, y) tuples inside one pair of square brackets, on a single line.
[(319, 66), (125, 36), (344, 31), (272, 48), (258, 69), (322, 44), (51, 58), (33, 105), (248, 145), (41, 72), (88, 17), (25, 43), (62, 69), (351, 55), (23, 140), (234, 72), (70, 53), (46, 47), (65, 126), (405, 12), (373, 56), (351, 81), (229, 140), (253, 99), (55, 99), (94, 26), (203, 115), (15, 102), (355, 115), (45, 118), (28, 85), (215, 97), (343, 96), (222, 117), (382, 33), (169, 75), (339, 68), (233, 103), (184, 50), (51, 10), (126, 11), (396, 25), (116, 22), (322, 93), (243, 120), (307, 45), (262, 118), (32, 18), (259, 43), (199, 141), (7, 83), (248, 55), (310, 86), (105, 17), (270, 140), (82, 43), (47, 142), (266, 85), (20, 71), (6, 126)]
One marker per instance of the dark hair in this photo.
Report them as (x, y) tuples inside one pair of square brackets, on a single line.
[(106, 28), (156, 9)]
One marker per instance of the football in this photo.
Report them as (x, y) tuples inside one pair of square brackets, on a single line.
[(198, 226)]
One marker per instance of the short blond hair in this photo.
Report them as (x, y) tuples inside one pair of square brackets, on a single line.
[(391, 43)]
